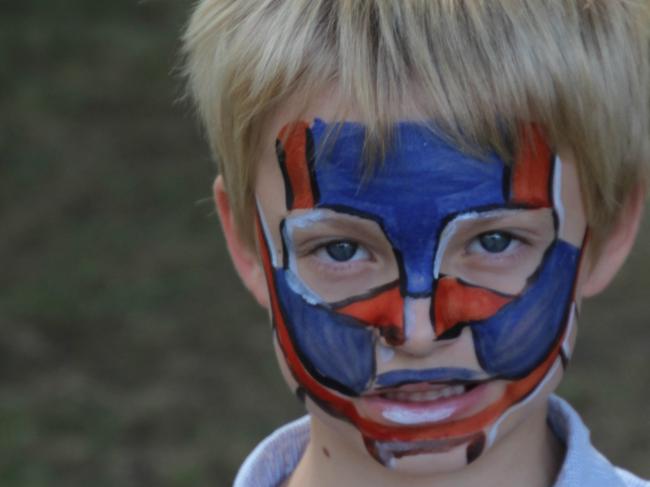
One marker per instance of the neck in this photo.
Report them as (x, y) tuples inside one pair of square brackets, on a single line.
[(529, 455)]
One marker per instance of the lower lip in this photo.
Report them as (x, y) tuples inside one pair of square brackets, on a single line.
[(424, 412)]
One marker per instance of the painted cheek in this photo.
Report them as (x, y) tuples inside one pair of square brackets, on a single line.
[(457, 303), (384, 311), (332, 347), (518, 338)]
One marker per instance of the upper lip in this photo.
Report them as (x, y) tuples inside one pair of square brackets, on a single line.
[(416, 387), (422, 380)]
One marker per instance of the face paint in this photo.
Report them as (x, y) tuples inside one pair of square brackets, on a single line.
[(331, 331)]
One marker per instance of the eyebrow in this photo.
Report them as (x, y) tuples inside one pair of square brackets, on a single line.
[(329, 219), (500, 214)]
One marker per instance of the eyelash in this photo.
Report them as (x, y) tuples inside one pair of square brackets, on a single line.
[(328, 264), (513, 251)]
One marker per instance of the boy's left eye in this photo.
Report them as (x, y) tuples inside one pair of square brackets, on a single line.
[(492, 242)]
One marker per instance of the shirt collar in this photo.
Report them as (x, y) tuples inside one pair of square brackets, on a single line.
[(583, 464)]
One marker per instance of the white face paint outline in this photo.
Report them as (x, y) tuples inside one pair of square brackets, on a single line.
[(291, 222), (451, 228)]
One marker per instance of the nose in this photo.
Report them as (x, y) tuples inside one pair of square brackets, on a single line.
[(420, 338)]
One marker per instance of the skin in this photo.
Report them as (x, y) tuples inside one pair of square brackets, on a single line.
[(525, 452)]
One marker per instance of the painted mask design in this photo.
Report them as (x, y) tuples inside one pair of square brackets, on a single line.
[(424, 193)]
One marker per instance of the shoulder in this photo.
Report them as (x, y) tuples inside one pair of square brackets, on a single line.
[(631, 480), (583, 465), (276, 457)]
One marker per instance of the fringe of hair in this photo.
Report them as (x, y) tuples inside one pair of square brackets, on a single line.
[(476, 68)]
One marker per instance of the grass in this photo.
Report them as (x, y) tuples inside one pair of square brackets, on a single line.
[(129, 353)]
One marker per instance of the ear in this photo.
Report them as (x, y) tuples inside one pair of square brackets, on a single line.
[(617, 246), (244, 258)]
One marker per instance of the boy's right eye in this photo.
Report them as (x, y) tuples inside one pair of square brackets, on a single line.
[(336, 255), (342, 251)]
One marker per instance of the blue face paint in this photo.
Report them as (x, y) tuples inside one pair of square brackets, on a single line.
[(519, 337), (396, 378), (333, 347), (423, 184)]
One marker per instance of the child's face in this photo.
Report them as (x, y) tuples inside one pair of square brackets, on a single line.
[(430, 307)]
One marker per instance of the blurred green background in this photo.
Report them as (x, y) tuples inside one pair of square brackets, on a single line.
[(129, 352)]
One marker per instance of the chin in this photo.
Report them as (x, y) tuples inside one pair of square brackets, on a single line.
[(416, 458), (437, 456), (429, 464)]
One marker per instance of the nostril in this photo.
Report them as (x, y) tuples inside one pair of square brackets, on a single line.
[(419, 335), (392, 335), (453, 332)]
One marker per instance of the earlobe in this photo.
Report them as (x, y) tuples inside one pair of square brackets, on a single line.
[(244, 258), (616, 247)]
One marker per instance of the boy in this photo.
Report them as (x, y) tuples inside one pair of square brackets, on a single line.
[(421, 193)]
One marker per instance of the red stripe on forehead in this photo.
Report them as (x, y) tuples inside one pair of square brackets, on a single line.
[(295, 153), (532, 173), (456, 303), (384, 311)]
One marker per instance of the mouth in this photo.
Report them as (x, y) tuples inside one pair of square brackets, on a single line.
[(416, 393), (426, 403)]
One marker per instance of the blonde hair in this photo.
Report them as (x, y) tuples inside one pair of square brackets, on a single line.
[(477, 69)]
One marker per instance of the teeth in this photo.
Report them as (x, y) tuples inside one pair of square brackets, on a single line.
[(425, 396)]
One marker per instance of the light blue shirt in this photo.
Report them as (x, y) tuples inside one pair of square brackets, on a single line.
[(277, 456)]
